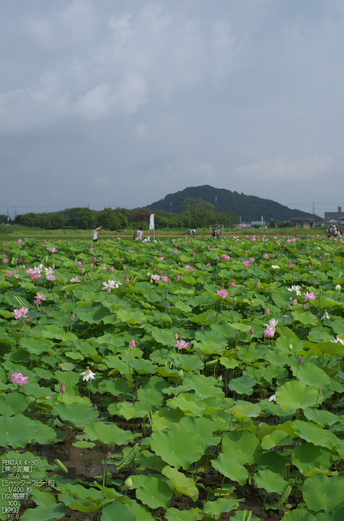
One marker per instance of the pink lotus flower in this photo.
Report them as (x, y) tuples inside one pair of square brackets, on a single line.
[(175, 250), (267, 311), (222, 293), (155, 277), (273, 323), (164, 278), (19, 313), (79, 263), (225, 257), (265, 256), (52, 249), (247, 263), (269, 332), (232, 284), (50, 277), (9, 273), (181, 344), (132, 344), (161, 258), (338, 339), (5, 261), (309, 296), (39, 298), (20, 240), (18, 378), (190, 268), (75, 279)]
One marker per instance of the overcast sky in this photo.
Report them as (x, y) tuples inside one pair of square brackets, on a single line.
[(118, 103)]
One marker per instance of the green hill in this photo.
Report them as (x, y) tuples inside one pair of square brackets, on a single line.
[(247, 207)]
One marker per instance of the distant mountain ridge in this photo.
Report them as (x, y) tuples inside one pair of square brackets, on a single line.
[(247, 207)]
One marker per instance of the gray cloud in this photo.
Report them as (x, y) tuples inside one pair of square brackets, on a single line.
[(124, 102)]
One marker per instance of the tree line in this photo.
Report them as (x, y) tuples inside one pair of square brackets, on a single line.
[(196, 213)]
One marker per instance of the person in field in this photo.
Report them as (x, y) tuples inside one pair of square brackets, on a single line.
[(139, 234), (95, 234)]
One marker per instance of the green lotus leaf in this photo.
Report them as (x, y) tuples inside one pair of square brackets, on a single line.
[(36, 346), (188, 403), (275, 439), (321, 416), (164, 336), (116, 510), (188, 362), (155, 493), (206, 318), (44, 513), (131, 317), (282, 297), (314, 434), (299, 514), (245, 410), (79, 414), (16, 431), (307, 318), (270, 481), (44, 434), (311, 458), (242, 385), (204, 386), (181, 483), (178, 447), (174, 514), (229, 468), (221, 505), (108, 434), (114, 387), (309, 374), (52, 331), (242, 446), (203, 428), (295, 395), (323, 493), (149, 398), (93, 316), (143, 366), (13, 403)]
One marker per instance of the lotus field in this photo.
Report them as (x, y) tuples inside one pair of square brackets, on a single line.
[(180, 380)]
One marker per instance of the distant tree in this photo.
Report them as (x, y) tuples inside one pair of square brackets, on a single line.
[(199, 213), (139, 215), (108, 219), (86, 219), (3, 219)]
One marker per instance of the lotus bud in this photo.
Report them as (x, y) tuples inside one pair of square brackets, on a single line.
[(63, 389), (132, 344), (176, 336), (252, 330), (338, 287)]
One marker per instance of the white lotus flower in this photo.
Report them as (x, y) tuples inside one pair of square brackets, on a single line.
[(88, 375), (111, 284)]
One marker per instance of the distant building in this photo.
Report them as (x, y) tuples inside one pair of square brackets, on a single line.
[(335, 216), (302, 223)]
